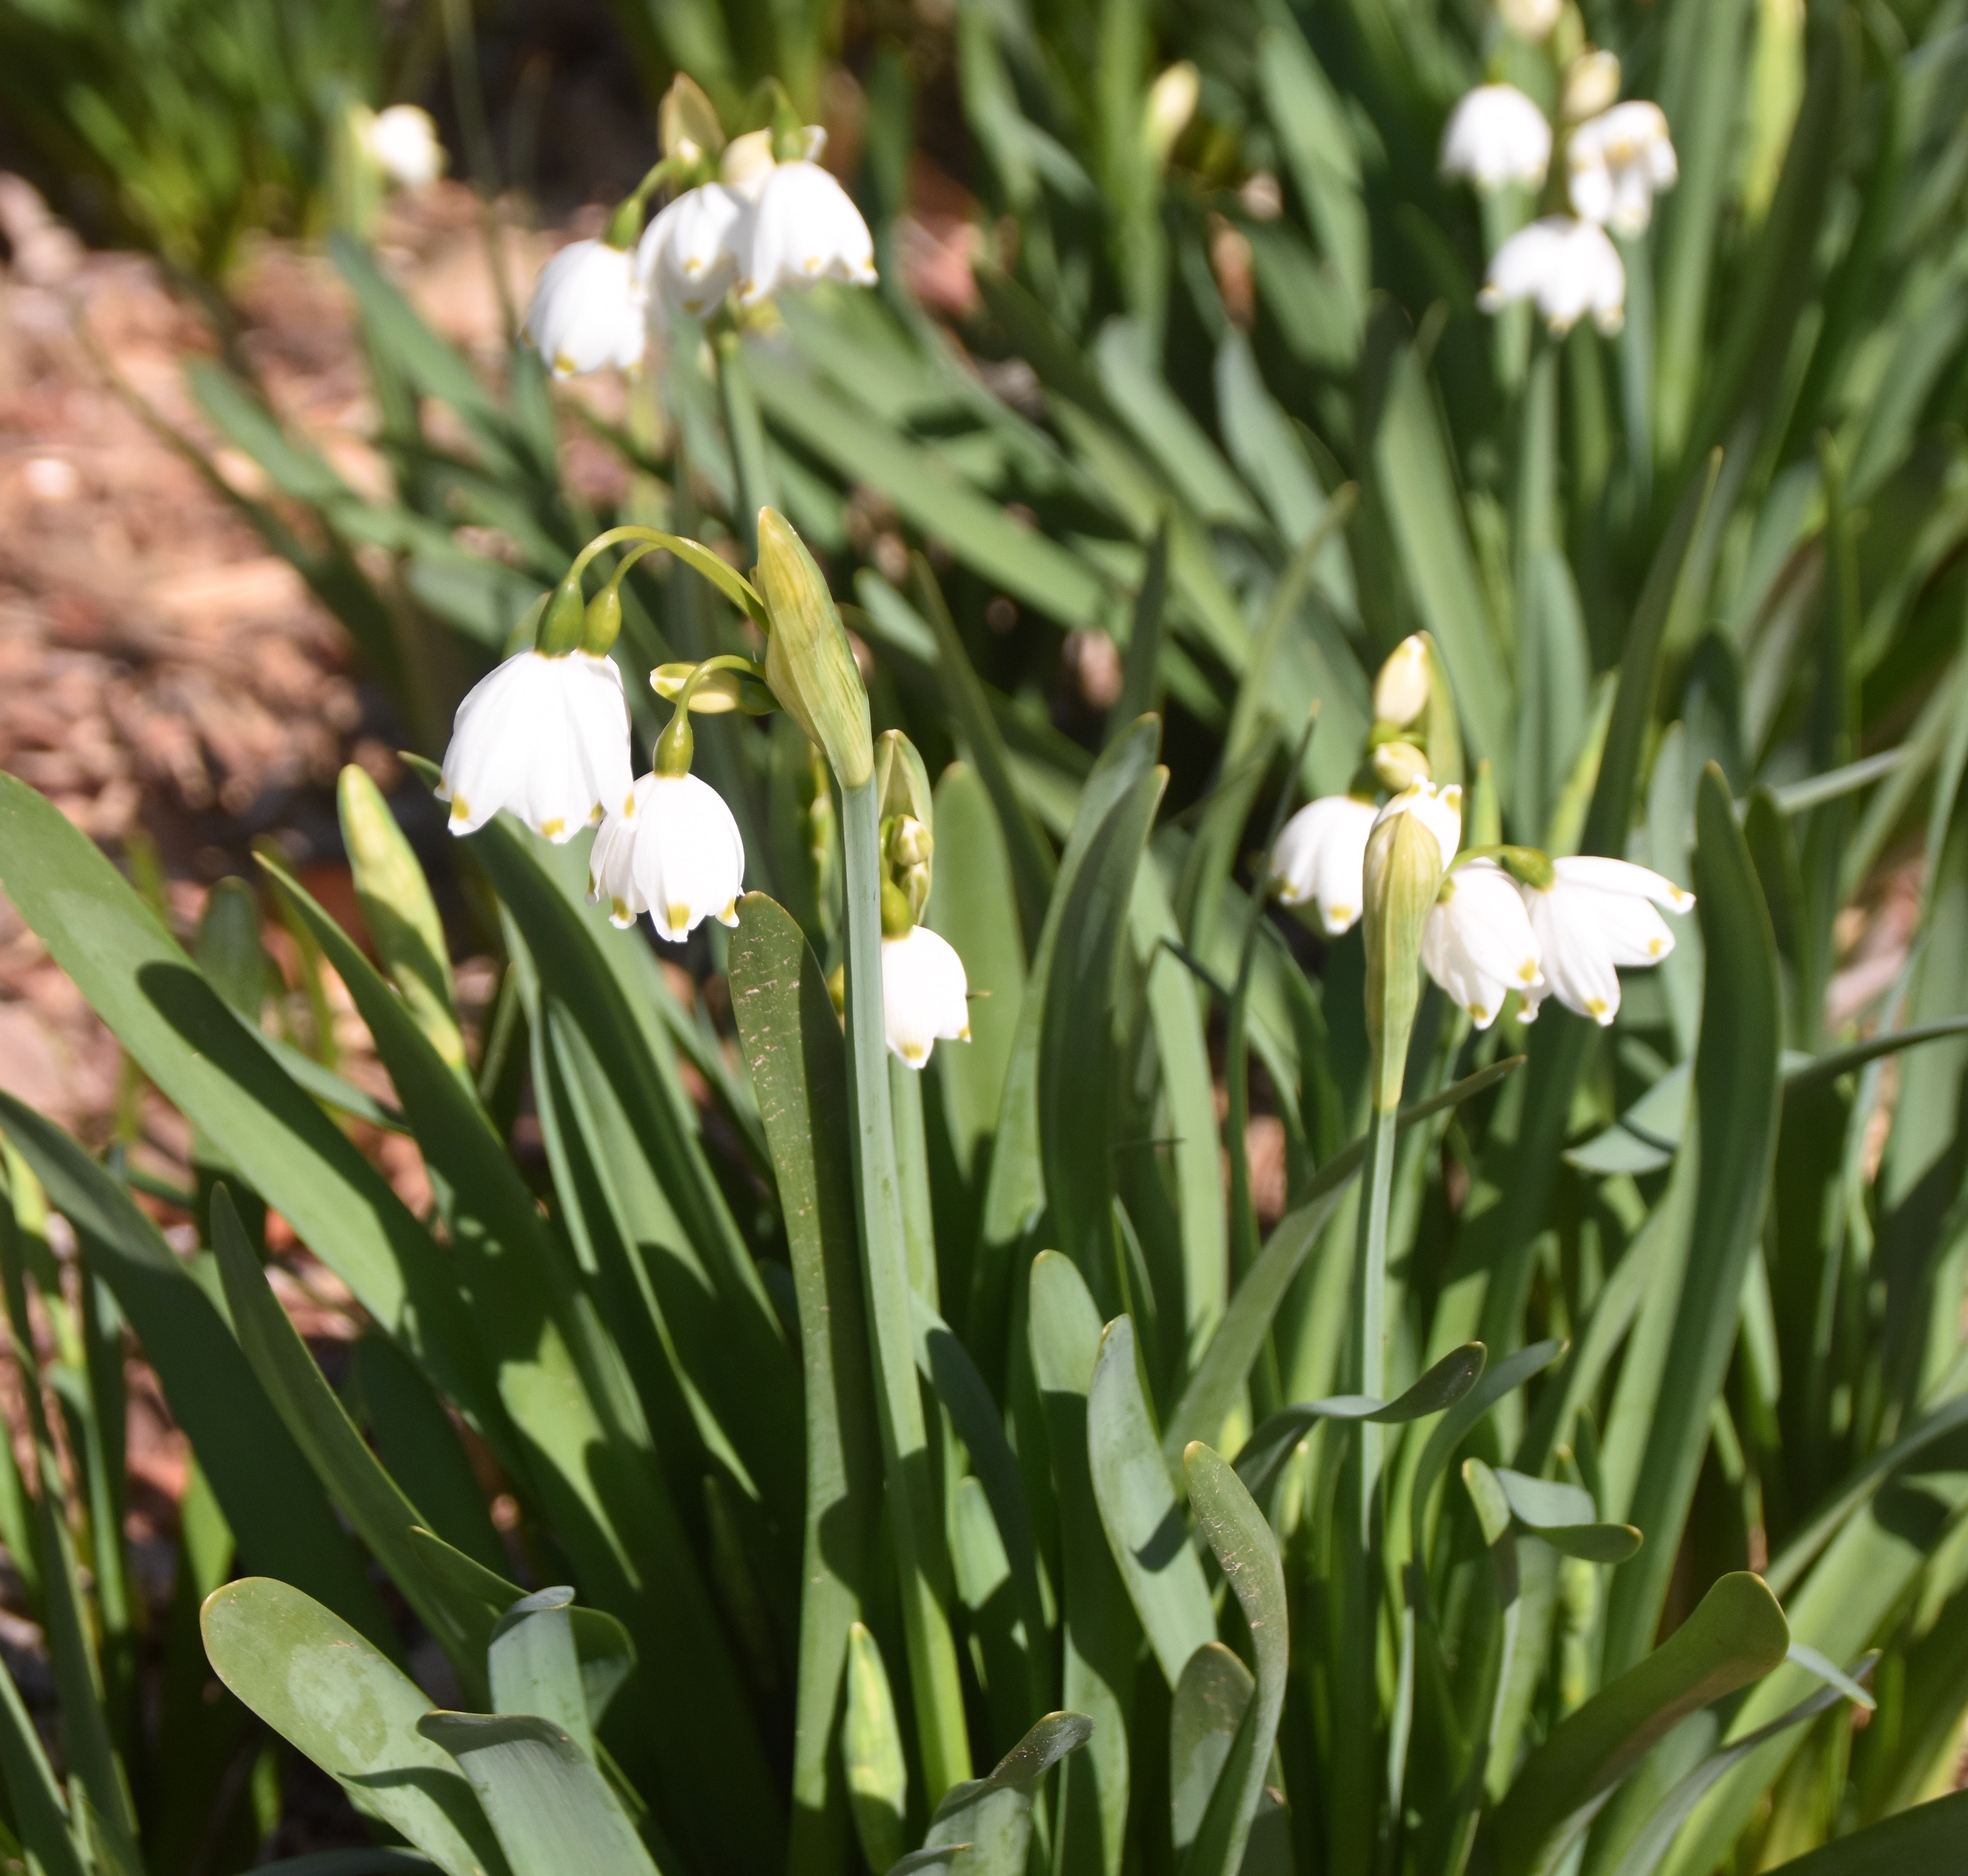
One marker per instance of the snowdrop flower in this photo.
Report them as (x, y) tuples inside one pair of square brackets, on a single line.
[(1438, 809), (588, 310), (925, 996), (803, 228), (1595, 915), (1496, 136), (688, 255), (670, 850), (1401, 688), (403, 142), (1618, 163), (1569, 268), (1477, 943), (1321, 855), (546, 737), (1530, 19)]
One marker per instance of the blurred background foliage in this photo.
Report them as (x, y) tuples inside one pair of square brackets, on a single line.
[(1189, 410)]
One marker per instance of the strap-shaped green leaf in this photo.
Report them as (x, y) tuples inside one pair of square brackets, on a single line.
[(1736, 1636), (871, 1752), (1924, 1841), (1208, 1708), (329, 1694), (533, 1666), (1139, 1509), (552, 1810), (986, 1825)]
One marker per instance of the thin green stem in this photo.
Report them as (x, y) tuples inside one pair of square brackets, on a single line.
[(912, 1156), (921, 1564)]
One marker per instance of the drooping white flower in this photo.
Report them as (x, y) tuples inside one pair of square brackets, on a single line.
[(1495, 136), (1477, 943), (588, 310), (1321, 856), (1530, 19), (803, 228), (670, 850), (1569, 268), (687, 257), (547, 738), (1618, 162), (1438, 809), (925, 995), (403, 142), (1401, 687), (1596, 915)]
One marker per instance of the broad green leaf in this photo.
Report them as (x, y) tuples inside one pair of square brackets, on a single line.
[(1210, 1698), (871, 1753), (532, 1666), (792, 1039), (1736, 1636), (1737, 1098), (1924, 1841), (329, 1694), (1236, 1531), (1138, 1508), (988, 1822), (270, 1495), (551, 1809), (1101, 1638), (1564, 1517)]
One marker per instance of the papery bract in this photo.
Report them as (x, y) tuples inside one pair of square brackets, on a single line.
[(672, 850)]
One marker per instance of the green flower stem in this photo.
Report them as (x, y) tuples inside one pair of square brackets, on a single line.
[(921, 1562), (912, 1157)]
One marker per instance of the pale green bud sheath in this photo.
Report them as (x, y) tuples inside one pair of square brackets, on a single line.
[(1403, 875), (602, 624), (807, 660), (565, 620)]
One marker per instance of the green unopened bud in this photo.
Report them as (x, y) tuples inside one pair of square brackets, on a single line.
[(898, 917), (717, 694), (906, 841), (807, 660), (676, 748), (1171, 103), (565, 620), (1401, 690), (1399, 765), (602, 622), (1529, 865), (687, 122), (1403, 876), (625, 224)]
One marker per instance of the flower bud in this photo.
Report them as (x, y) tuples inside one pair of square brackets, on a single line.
[(1591, 84), (808, 662), (1401, 690), (717, 694), (687, 122), (602, 621), (1399, 765), (1171, 103)]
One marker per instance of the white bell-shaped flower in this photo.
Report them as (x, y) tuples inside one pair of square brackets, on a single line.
[(670, 850), (588, 310), (1596, 915), (403, 143), (1438, 809), (1497, 136), (547, 738), (1321, 858), (925, 995), (1569, 268), (1618, 162), (804, 228), (1477, 943), (687, 257)]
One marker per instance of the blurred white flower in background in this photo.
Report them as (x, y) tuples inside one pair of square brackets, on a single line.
[(589, 310), (925, 995), (673, 850), (1530, 19), (1596, 915), (1618, 162), (1495, 136), (1568, 268), (1591, 84), (687, 257), (402, 143), (1321, 857), (547, 738), (803, 228), (1477, 943)]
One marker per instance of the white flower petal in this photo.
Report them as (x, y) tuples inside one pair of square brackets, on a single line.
[(1321, 857), (1608, 875), (404, 143), (1477, 943), (687, 257), (804, 228), (675, 853), (1568, 267), (925, 996), (588, 310), (1617, 162), (1495, 135), (1438, 809), (547, 738)]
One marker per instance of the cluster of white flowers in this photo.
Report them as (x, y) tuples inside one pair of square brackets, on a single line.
[(1617, 158), (1509, 919), (761, 227)]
